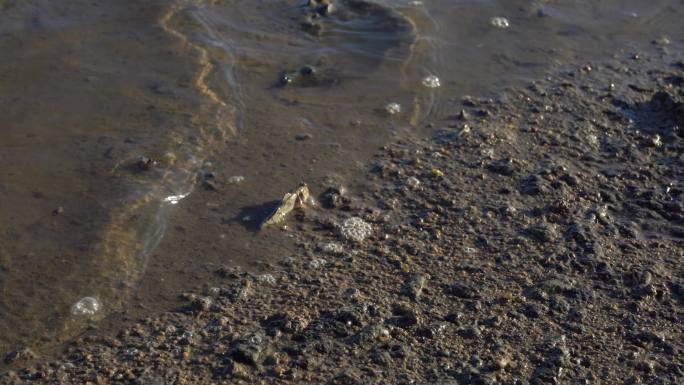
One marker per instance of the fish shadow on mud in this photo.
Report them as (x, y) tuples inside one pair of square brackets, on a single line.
[(251, 217)]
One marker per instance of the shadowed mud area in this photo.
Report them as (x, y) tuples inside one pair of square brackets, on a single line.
[(143, 143)]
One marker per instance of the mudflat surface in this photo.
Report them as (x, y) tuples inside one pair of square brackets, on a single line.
[(125, 125), (536, 238)]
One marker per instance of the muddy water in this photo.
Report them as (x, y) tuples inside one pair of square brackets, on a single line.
[(123, 123)]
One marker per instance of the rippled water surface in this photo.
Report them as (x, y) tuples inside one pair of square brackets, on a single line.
[(113, 112)]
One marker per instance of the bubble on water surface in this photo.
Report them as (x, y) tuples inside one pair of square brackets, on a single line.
[(174, 199), (500, 22), (431, 81), (86, 306), (267, 279), (236, 179), (393, 108), (413, 182)]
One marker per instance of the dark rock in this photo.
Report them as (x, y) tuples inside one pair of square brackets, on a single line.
[(335, 197), (461, 290), (542, 232), (19, 355), (504, 167), (414, 285), (403, 317), (249, 350)]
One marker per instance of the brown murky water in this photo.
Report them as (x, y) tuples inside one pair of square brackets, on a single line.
[(113, 113)]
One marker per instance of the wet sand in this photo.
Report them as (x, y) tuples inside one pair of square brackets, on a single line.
[(536, 237)]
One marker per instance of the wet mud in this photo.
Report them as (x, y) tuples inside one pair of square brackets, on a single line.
[(534, 238)]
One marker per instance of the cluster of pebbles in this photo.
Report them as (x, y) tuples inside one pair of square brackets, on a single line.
[(536, 239)]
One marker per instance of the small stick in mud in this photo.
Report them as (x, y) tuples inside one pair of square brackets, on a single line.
[(295, 199)]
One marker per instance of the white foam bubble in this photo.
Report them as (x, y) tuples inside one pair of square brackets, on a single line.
[(431, 81), (393, 108), (500, 22), (174, 199), (87, 306)]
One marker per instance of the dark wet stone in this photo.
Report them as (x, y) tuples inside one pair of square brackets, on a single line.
[(532, 311), (645, 337), (434, 330), (369, 335), (414, 285), (454, 317), (462, 290), (542, 232), (404, 317), (469, 332), (382, 358), (145, 164), (249, 350), (556, 359), (504, 167), (532, 185), (335, 197), (201, 304), (19, 355)]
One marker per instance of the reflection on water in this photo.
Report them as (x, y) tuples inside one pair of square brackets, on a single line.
[(111, 111)]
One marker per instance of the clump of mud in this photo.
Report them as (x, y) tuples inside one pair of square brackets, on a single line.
[(542, 244)]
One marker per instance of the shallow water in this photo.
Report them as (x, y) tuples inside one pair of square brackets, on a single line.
[(113, 112)]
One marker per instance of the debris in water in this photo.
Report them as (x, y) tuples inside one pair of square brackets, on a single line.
[(393, 108), (500, 22), (292, 200), (431, 81), (86, 306), (355, 229)]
